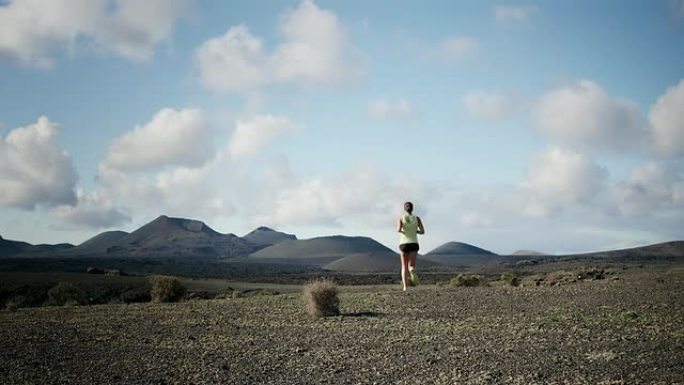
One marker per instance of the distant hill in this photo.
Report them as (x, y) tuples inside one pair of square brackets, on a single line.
[(529, 253), (10, 248), (460, 254), (106, 239), (165, 237), (264, 236), (318, 251), (374, 262), (674, 249)]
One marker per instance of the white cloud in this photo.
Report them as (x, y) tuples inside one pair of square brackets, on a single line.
[(134, 28), (382, 109), (487, 106), (513, 13), (583, 115), (33, 31), (34, 170), (171, 138), (558, 178), (251, 135), (234, 61), (93, 211), (475, 219), (315, 50), (457, 48), (361, 195), (667, 121), (650, 188)]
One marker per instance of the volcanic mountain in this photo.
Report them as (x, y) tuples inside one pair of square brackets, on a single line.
[(318, 251), (264, 236), (14, 248), (460, 254), (165, 237), (373, 262)]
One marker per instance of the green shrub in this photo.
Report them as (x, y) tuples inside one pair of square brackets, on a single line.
[(510, 279), (65, 293), (468, 280), (166, 289), (321, 298)]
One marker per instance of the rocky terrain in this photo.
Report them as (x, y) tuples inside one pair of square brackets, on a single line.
[(625, 329)]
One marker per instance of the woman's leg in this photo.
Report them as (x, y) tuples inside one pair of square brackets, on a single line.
[(412, 260), (404, 269)]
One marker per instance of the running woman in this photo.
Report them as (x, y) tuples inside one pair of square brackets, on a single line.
[(409, 226)]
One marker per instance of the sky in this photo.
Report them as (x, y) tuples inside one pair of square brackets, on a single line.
[(555, 126)]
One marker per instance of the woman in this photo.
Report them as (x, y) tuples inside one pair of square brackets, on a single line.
[(409, 226)]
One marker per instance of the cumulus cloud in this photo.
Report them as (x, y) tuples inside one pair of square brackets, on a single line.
[(560, 177), (382, 109), (486, 106), (33, 31), (252, 134), (361, 194), (134, 28), (649, 188), (34, 170), (457, 48), (583, 115), (513, 13), (93, 211), (315, 50), (172, 137), (667, 121), (234, 61)]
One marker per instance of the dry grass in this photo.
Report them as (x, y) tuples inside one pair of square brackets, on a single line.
[(65, 293), (166, 288), (321, 298)]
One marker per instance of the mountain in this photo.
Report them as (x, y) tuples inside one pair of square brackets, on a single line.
[(106, 239), (264, 236), (528, 253), (10, 248), (373, 262), (460, 254), (165, 237), (673, 249), (318, 251)]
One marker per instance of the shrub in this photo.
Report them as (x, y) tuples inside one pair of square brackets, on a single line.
[(135, 294), (166, 289), (468, 280), (510, 279), (65, 293), (321, 298)]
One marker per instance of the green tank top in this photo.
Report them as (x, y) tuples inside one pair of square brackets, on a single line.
[(409, 228)]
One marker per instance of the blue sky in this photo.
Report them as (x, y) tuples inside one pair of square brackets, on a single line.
[(554, 126)]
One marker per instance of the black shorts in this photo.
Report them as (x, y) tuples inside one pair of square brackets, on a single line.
[(409, 247)]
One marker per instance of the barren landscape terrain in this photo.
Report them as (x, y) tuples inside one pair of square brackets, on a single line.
[(625, 329)]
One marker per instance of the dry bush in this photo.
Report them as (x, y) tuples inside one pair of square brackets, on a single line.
[(321, 298), (166, 289), (65, 293), (510, 279), (469, 280)]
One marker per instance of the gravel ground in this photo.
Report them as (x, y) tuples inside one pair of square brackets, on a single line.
[(624, 331)]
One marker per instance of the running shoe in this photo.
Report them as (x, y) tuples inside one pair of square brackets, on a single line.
[(414, 278)]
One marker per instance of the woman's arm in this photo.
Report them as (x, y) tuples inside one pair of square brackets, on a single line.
[(421, 229), (400, 226)]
